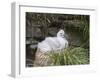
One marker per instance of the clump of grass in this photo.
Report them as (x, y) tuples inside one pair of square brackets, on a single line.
[(74, 56)]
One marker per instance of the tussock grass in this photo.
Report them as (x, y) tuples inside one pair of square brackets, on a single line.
[(70, 56)]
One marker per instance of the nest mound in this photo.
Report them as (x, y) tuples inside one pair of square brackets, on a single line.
[(69, 56)]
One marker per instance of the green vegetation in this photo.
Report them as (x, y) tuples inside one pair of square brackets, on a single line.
[(70, 56)]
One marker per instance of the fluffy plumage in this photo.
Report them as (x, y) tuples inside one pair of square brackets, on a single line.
[(54, 43)]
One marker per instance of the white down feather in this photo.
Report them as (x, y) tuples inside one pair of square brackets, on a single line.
[(54, 43)]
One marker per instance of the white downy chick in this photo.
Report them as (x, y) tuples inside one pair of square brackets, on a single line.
[(54, 43)]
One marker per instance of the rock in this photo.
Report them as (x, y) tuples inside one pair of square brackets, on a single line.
[(37, 32), (42, 59)]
